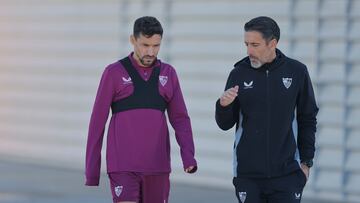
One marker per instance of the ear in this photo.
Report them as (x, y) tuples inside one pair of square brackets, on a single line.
[(132, 39), (273, 44)]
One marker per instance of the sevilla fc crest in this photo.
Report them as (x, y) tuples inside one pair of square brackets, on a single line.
[(287, 82), (118, 190), (242, 196), (163, 80)]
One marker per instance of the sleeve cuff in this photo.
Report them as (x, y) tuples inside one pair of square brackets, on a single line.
[(191, 163), (222, 109), (92, 181)]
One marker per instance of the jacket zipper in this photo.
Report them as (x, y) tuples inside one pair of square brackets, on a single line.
[(268, 124)]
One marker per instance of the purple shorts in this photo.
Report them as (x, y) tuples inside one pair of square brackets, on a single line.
[(140, 188)]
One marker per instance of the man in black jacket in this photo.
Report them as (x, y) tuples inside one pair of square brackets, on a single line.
[(271, 100)]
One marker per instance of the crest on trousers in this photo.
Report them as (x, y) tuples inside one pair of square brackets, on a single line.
[(163, 80), (118, 190), (287, 82), (242, 196)]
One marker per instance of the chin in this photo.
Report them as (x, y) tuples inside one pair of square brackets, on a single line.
[(256, 65)]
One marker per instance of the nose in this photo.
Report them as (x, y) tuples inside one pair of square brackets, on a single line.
[(150, 51), (249, 51)]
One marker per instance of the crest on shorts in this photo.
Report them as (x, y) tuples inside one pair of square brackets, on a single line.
[(242, 196), (118, 190), (287, 82), (163, 79)]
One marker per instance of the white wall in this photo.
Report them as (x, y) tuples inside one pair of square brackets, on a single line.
[(53, 52)]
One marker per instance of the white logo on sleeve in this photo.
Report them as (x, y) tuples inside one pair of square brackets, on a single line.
[(126, 80), (297, 195), (287, 82), (118, 190), (242, 196), (163, 80), (248, 85)]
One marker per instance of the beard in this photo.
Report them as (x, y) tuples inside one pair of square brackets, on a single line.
[(147, 60), (255, 63)]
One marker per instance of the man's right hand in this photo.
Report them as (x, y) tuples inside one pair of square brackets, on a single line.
[(228, 96)]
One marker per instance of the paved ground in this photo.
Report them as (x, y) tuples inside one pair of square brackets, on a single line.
[(32, 183)]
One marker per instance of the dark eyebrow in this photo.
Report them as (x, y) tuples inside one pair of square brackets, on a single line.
[(252, 43), (146, 44)]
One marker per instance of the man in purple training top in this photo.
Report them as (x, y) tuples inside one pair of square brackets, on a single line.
[(138, 89)]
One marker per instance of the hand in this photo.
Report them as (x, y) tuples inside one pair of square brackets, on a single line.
[(306, 171), (228, 96), (190, 169)]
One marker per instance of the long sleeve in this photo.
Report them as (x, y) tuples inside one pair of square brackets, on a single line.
[(306, 118), (180, 121), (226, 117), (98, 120)]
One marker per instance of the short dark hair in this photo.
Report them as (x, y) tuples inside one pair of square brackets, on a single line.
[(266, 26), (147, 26)]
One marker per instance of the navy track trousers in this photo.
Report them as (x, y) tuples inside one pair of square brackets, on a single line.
[(284, 189)]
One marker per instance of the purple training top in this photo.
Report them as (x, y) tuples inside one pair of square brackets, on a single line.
[(138, 139)]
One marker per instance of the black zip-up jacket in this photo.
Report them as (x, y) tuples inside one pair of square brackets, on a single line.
[(268, 140)]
